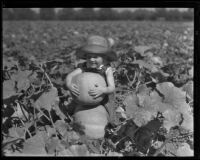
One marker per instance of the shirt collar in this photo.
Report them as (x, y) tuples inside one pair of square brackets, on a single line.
[(100, 67)]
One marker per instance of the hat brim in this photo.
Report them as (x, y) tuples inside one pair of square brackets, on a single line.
[(83, 51), (94, 49)]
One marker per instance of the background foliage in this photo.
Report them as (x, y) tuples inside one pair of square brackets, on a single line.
[(153, 102)]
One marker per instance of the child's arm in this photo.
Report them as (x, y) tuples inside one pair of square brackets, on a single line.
[(110, 80), (70, 86), (98, 91)]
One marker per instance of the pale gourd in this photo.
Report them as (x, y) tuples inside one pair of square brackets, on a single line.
[(93, 120), (85, 82)]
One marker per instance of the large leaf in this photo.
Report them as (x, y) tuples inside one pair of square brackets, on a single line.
[(131, 103), (109, 154), (8, 89), (35, 146), (75, 150), (172, 118), (142, 116), (143, 64), (61, 127), (153, 103), (114, 154), (20, 112), (53, 145), (185, 150), (142, 49), (173, 96), (189, 88), (34, 79), (140, 113), (188, 121), (22, 80), (64, 129), (9, 62), (157, 60), (47, 99), (170, 149), (16, 132), (143, 91), (191, 72)]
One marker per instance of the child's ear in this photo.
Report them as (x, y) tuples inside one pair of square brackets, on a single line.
[(111, 41)]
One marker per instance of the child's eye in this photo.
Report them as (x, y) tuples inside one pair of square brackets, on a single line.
[(88, 57)]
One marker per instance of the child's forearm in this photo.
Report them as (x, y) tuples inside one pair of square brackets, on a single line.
[(109, 89)]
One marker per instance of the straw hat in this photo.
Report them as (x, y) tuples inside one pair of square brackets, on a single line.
[(97, 45)]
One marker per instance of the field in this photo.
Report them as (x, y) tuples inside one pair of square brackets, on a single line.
[(153, 102)]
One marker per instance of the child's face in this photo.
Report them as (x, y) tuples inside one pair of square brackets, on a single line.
[(94, 61)]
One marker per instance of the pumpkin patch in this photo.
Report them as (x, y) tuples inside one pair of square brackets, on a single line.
[(153, 80)]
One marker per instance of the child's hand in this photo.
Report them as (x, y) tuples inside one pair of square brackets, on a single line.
[(97, 92), (74, 90)]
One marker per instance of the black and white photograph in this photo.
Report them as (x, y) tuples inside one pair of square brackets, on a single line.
[(97, 82)]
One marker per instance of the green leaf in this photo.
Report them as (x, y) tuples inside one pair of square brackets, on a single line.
[(9, 62), (59, 60), (157, 60), (33, 79), (171, 93), (188, 121), (144, 64), (20, 131), (142, 49), (53, 145), (47, 99), (35, 146), (114, 154), (75, 150), (64, 129), (154, 102), (170, 149), (191, 72), (22, 80), (61, 127), (131, 103), (142, 116), (50, 131), (185, 150), (172, 118), (13, 132), (19, 113), (189, 88), (142, 93), (8, 89), (173, 96)]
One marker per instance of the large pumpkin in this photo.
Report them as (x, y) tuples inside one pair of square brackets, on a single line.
[(93, 120), (85, 82)]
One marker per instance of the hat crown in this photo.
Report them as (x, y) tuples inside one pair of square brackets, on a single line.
[(97, 45), (98, 40)]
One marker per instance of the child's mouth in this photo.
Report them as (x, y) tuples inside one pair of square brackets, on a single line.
[(93, 65)]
